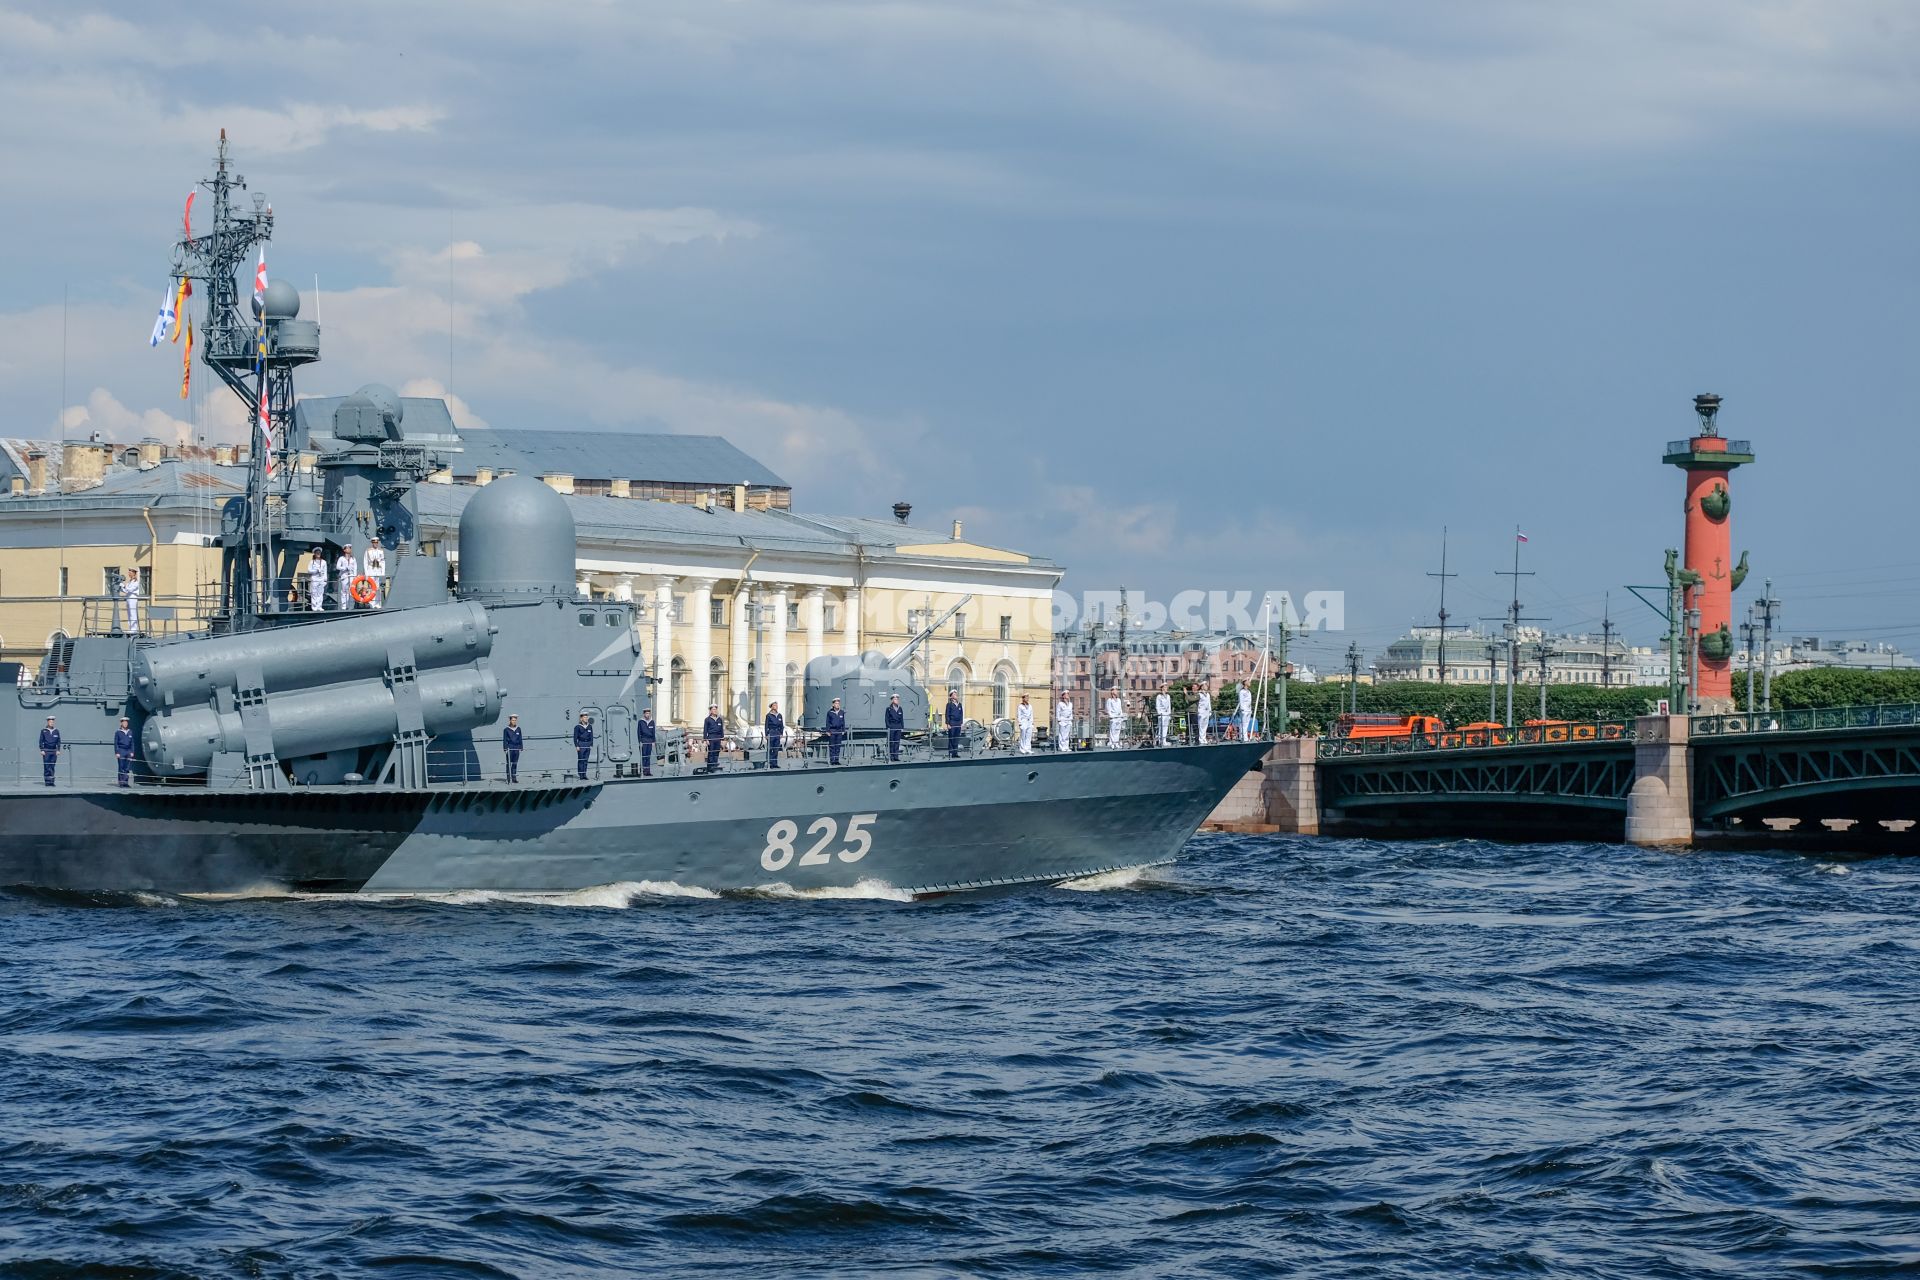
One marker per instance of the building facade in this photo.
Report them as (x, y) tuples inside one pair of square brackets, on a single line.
[(1091, 661), (1476, 657)]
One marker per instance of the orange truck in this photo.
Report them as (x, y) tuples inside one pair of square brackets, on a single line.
[(1369, 724)]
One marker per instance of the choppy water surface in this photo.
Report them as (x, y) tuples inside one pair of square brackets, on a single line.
[(1329, 1058)]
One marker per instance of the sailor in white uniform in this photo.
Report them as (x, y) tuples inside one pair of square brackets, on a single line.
[(376, 568), (1205, 710), (317, 580), (1163, 713), (1116, 717), (1023, 718), (1245, 712), (1063, 725), (345, 570), (130, 596)]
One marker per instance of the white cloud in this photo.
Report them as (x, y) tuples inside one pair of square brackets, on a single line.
[(104, 415)]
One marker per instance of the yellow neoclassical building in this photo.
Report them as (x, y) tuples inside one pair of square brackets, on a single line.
[(734, 590)]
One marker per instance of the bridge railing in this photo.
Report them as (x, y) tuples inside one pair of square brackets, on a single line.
[(1556, 733), (1870, 715)]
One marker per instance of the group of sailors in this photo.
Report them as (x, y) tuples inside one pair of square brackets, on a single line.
[(1115, 708), (715, 736), (355, 582), (51, 746)]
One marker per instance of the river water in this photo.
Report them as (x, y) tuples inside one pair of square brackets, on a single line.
[(1283, 1056)]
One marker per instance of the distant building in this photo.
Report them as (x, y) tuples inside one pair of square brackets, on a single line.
[(1476, 657), (1808, 653), (606, 464), (1088, 661)]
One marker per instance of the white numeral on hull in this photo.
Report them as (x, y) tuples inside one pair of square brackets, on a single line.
[(782, 835)]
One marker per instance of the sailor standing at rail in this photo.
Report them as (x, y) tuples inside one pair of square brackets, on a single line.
[(317, 580), (1205, 716), (1163, 713), (1063, 725), (130, 595), (49, 749), (375, 567), (714, 729), (836, 731), (776, 727), (1023, 719), (649, 733), (1245, 712), (896, 726), (345, 570), (1116, 717), (583, 742), (512, 741), (123, 749), (956, 717)]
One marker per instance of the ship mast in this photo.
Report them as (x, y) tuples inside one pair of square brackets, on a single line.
[(236, 347)]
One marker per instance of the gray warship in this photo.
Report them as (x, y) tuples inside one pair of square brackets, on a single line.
[(281, 749)]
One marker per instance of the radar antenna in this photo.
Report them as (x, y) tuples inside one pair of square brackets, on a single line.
[(246, 353)]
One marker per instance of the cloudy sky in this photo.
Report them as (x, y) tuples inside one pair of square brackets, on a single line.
[(1218, 293)]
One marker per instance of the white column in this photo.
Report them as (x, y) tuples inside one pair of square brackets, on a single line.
[(850, 622), (813, 613), (699, 647), (774, 687), (662, 645), (739, 654), (623, 587)]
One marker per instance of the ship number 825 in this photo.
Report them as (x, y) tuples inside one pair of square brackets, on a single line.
[(783, 839)]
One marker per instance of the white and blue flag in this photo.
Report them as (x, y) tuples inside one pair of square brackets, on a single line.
[(164, 322)]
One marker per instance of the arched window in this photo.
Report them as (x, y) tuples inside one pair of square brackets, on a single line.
[(1002, 691), (677, 683), (957, 679)]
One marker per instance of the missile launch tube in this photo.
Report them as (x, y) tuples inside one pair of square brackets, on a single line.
[(307, 722), (304, 656)]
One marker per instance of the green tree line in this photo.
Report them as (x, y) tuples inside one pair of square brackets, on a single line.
[(1315, 707)]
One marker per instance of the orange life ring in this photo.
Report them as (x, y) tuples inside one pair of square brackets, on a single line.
[(363, 589)]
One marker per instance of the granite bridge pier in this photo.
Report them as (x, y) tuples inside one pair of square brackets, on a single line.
[(1835, 777)]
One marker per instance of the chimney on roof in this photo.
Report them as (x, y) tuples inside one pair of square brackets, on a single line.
[(223, 455), (558, 481), (956, 531), (82, 464), (704, 500), (36, 471), (443, 476), (151, 452), (483, 475), (901, 510), (739, 497), (622, 488), (17, 486)]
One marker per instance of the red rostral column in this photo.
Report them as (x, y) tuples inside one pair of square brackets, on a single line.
[(1709, 460)]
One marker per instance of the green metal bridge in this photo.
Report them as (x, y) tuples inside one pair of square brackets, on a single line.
[(1848, 773)]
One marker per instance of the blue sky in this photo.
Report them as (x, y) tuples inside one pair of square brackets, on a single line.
[(1229, 293)]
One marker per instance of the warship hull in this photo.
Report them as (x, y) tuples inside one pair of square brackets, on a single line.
[(924, 827)]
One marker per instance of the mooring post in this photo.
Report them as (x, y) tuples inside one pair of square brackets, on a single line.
[(1293, 786), (1660, 806)]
